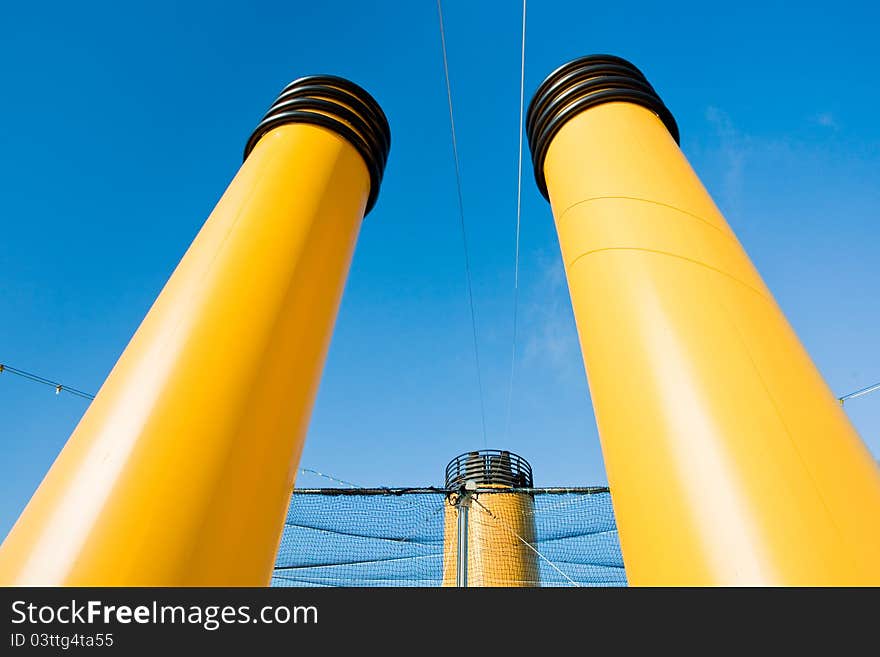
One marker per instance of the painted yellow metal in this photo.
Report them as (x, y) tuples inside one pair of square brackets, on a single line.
[(730, 461), (496, 555), (180, 471)]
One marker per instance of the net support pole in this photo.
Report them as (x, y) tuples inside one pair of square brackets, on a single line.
[(181, 470), (729, 459), (461, 572)]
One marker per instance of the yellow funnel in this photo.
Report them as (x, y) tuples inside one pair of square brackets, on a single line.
[(729, 459), (500, 525), (180, 471)]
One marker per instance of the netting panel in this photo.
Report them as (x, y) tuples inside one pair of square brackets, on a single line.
[(336, 537), (362, 540)]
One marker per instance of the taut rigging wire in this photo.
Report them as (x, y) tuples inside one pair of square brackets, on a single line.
[(522, 80), (467, 264)]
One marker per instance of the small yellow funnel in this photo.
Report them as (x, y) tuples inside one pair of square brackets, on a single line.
[(499, 525)]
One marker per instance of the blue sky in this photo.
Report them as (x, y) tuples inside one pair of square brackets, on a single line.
[(122, 124)]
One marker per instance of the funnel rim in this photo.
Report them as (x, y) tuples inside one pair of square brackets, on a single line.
[(579, 85), (489, 467), (339, 105)]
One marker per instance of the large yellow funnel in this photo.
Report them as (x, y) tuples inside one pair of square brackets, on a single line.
[(180, 471), (500, 524), (729, 459)]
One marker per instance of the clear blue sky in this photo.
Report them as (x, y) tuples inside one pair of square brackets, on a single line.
[(122, 123)]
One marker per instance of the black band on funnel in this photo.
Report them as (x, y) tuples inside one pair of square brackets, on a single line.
[(579, 85), (338, 105)]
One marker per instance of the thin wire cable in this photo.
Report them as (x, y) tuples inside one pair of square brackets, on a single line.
[(522, 81), (467, 264), (859, 393), (525, 542), (59, 387), (351, 486), (326, 476)]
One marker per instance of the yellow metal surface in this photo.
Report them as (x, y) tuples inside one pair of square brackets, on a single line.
[(496, 556), (180, 471), (729, 459)]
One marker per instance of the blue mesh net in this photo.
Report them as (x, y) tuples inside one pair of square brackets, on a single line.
[(406, 537)]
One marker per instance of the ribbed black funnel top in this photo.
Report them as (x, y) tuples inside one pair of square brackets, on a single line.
[(341, 106), (579, 85)]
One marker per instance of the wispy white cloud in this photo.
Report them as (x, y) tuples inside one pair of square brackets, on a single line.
[(548, 328), (734, 149), (826, 120)]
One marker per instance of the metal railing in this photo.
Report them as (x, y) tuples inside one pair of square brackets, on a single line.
[(489, 467)]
